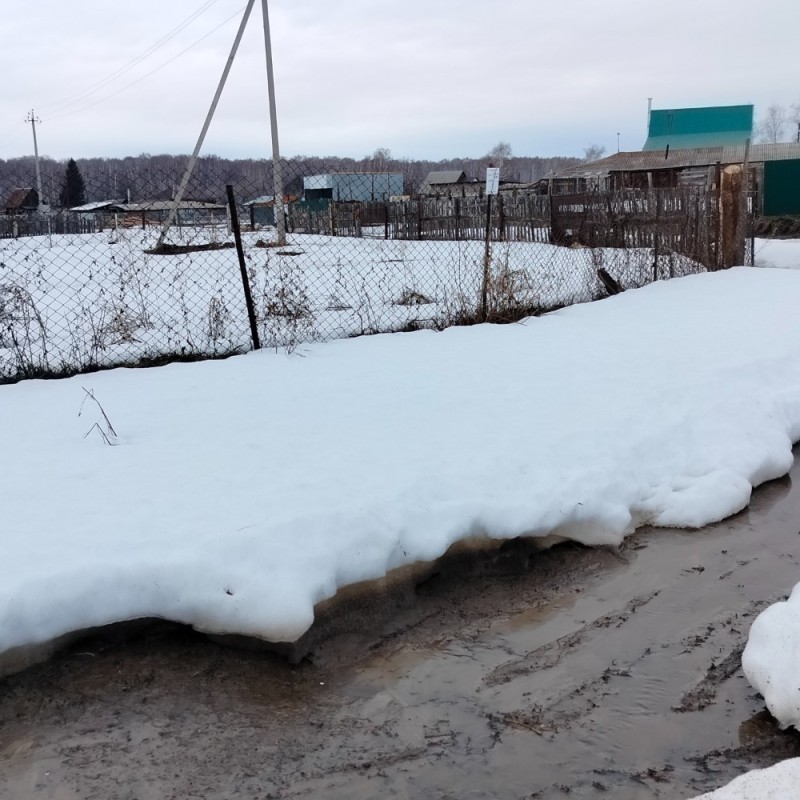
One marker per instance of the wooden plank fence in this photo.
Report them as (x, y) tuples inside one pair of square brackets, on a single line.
[(680, 221), (523, 218), (686, 221), (14, 226)]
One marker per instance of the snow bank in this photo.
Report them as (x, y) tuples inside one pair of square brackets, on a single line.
[(244, 492), (782, 253), (779, 782), (771, 658)]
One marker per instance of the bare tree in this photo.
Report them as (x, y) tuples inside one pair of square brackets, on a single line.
[(381, 157), (496, 157), (593, 152), (795, 118), (770, 127), (500, 152)]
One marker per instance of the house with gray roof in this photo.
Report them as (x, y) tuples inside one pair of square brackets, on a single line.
[(449, 183)]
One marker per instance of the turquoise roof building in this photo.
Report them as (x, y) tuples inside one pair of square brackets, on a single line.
[(712, 126)]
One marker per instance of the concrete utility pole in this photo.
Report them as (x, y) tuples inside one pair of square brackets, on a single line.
[(178, 194), (33, 119), (277, 166)]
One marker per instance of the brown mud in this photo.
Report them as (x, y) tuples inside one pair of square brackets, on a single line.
[(567, 673)]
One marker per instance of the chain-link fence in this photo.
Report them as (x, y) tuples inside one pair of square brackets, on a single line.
[(98, 282)]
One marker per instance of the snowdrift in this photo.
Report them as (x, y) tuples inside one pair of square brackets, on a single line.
[(238, 495)]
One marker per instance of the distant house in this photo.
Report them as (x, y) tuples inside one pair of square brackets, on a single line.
[(449, 183), (455, 183), (690, 147), (21, 201), (774, 173), (363, 187)]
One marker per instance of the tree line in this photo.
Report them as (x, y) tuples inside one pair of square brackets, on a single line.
[(155, 177)]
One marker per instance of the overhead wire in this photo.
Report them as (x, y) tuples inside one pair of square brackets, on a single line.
[(167, 37), (12, 139), (152, 72)]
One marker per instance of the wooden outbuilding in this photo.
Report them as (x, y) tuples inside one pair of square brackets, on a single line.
[(21, 201)]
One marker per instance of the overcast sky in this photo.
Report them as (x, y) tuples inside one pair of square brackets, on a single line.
[(423, 78)]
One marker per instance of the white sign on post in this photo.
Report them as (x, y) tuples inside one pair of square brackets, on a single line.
[(492, 180)]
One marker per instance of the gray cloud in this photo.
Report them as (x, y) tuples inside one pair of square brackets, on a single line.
[(426, 79)]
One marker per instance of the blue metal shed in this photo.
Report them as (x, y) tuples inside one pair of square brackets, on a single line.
[(361, 187)]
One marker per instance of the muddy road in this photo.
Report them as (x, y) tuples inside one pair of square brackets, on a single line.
[(573, 673)]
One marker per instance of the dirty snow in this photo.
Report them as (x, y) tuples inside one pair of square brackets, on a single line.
[(238, 494), (772, 653), (779, 782)]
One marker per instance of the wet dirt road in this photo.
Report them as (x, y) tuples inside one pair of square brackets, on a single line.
[(569, 673)]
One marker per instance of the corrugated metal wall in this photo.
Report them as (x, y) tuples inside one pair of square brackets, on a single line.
[(366, 187)]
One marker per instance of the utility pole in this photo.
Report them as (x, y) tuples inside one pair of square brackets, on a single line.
[(277, 166), (187, 174), (33, 119)]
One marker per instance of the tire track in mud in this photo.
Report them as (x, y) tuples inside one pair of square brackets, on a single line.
[(550, 655), (716, 637)]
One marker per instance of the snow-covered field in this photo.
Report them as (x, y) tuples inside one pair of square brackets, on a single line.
[(236, 495), (74, 301)]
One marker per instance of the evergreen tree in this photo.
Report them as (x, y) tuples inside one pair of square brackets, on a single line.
[(73, 192)]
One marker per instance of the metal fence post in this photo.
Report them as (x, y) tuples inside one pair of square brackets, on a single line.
[(487, 257), (248, 297)]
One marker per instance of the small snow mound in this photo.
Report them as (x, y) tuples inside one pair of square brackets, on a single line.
[(779, 782), (771, 657), (698, 501)]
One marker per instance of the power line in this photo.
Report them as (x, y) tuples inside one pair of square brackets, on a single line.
[(12, 139), (152, 72), (83, 93)]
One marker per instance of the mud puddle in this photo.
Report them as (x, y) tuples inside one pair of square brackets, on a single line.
[(571, 673)]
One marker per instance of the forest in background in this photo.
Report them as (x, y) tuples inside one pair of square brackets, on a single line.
[(149, 177)]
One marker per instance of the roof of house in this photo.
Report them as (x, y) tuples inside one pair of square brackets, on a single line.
[(446, 176), (710, 126), (650, 161), (95, 206), (20, 198), (269, 200), (165, 205)]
